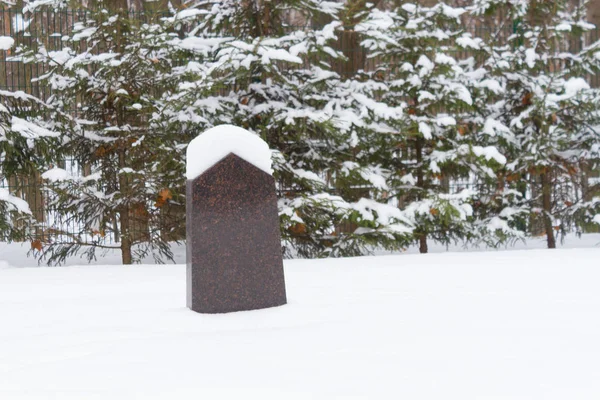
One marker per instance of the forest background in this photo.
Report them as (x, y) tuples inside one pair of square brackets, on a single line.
[(390, 123)]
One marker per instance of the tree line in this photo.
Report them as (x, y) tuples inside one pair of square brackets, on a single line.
[(391, 124)]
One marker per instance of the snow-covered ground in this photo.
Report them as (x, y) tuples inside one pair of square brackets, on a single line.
[(471, 325), (15, 254)]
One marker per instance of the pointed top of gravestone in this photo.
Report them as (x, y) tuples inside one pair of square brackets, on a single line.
[(213, 145)]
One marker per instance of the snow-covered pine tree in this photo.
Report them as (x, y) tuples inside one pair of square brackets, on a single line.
[(112, 73), (547, 118), (29, 143), (414, 50), (11, 207), (275, 72)]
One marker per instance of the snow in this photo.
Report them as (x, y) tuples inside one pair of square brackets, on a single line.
[(572, 88), (425, 64), (19, 23), (15, 254), (489, 152), (36, 4), (425, 95), (452, 12), (309, 175), (189, 13), (502, 325), (413, 24), (466, 41), (492, 85), (17, 203), (425, 130), (491, 126), (408, 179), (329, 7), (265, 48), (6, 42), (200, 45), (373, 174), (585, 25), (445, 120), (444, 59), (56, 174), (216, 143), (411, 8), (597, 218), (530, 57), (385, 214), (380, 109), (82, 32), (462, 93), (278, 54), (574, 85), (29, 129)]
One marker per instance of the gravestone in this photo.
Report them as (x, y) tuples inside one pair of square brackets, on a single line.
[(234, 260)]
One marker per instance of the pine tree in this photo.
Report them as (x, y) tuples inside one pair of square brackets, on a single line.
[(28, 145), (547, 117), (414, 47), (113, 74), (11, 207), (278, 80)]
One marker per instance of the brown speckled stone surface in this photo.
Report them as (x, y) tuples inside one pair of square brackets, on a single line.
[(234, 259)]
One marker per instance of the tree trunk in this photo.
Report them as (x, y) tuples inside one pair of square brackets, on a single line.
[(126, 239), (421, 185), (126, 256), (349, 40), (536, 223), (423, 244), (547, 207)]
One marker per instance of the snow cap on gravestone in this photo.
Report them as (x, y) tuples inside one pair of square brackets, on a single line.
[(216, 143)]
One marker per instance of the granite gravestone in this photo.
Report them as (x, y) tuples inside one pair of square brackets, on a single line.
[(234, 260)]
